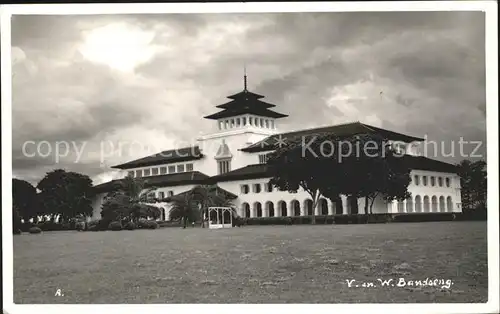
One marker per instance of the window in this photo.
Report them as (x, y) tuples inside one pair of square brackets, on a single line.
[(237, 122), (440, 181), (171, 169), (267, 124), (161, 195), (180, 168), (130, 174), (417, 180), (448, 182), (163, 170), (250, 120), (256, 188), (269, 187), (424, 179), (189, 167), (232, 123), (138, 173), (245, 189), (147, 172), (170, 193), (433, 181), (262, 158), (224, 166), (155, 171), (244, 121)]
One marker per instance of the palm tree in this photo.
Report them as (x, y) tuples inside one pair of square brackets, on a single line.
[(128, 198), (194, 204)]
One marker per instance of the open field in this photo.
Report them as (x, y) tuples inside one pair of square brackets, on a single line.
[(254, 264)]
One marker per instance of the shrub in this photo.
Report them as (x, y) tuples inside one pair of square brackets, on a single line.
[(151, 224), (35, 230), (130, 225), (115, 226), (142, 223), (422, 217), (17, 231), (93, 228), (80, 226)]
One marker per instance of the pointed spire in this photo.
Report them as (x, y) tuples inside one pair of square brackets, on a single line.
[(245, 77)]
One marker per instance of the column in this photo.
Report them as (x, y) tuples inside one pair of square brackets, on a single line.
[(345, 210), (331, 207)]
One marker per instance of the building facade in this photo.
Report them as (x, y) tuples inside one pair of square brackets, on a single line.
[(234, 158)]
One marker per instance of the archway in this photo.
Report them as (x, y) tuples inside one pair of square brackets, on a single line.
[(418, 204), (270, 209), (434, 204), (257, 207), (323, 205), (295, 205), (449, 204), (442, 205), (409, 205), (245, 210), (282, 208), (308, 205), (401, 207), (426, 204)]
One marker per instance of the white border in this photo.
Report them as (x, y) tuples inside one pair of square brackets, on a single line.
[(490, 7)]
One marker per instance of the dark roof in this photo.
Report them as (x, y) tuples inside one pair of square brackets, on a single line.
[(192, 177), (348, 129), (245, 102), (424, 163), (165, 157), (257, 171), (218, 190)]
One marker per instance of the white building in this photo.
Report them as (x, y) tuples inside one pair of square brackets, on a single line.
[(233, 156)]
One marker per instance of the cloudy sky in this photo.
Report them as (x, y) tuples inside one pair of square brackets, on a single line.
[(103, 80)]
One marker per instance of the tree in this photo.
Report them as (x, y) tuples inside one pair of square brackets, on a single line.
[(302, 164), (25, 199), (16, 220), (356, 166), (473, 182), (184, 207), (194, 203), (127, 201), (67, 194)]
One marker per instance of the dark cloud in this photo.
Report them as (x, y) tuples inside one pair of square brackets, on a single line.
[(422, 73)]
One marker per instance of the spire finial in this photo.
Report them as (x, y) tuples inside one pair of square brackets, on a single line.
[(245, 76)]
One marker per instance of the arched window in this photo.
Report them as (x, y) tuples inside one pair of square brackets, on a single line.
[(295, 205), (270, 209), (409, 205), (308, 205), (433, 181), (418, 204), (250, 121), (257, 207), (323, 205), (282, 208), (424, 180), (447, 182), (244, 121), (440, 181), (434, 204), (426, 204), (237, 122), (449, 204), (246, 210), (245, 189), (442, 205), (417, 180)]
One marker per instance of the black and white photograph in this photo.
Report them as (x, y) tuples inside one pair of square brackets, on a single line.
[(329, 153)]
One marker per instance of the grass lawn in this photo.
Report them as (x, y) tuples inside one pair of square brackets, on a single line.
[(253, 264)]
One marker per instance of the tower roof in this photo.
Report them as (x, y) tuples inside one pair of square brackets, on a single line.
[(245, 102)]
